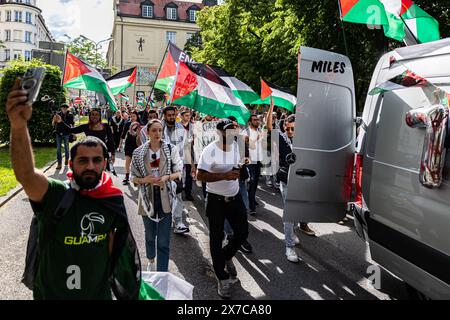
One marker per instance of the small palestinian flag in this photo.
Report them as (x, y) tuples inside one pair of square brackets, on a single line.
[(239, 88), (121, 81), (124, 97), (402, 20), (80, 75), (200, 88), (402, 81), (282, 97)]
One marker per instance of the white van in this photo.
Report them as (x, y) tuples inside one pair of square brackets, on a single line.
[(406, 224)]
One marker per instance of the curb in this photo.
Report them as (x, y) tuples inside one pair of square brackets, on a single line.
[(19, 189)]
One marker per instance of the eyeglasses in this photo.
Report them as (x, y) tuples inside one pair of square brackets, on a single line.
[(290, 129)]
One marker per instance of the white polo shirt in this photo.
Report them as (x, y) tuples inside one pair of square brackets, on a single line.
[(215, 160)]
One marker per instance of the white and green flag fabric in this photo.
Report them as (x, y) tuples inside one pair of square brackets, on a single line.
[(282, 97), (121, 81), (80, 75)]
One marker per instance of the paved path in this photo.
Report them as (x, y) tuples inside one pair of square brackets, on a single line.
[(334, 266)]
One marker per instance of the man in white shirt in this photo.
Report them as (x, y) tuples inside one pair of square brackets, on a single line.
[(219, 168)]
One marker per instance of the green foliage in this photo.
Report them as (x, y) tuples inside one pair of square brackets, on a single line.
[(85, 50), (252, 39), (41, 130)]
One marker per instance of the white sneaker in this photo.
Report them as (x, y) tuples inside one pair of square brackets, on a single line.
[(291, 255), (180, 228), (151, 266)]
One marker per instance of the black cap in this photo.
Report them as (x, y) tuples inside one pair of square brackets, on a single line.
[(225, 124)]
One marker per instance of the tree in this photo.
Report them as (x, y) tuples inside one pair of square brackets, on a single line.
[(41, 130), (251, 40), (85, 50)]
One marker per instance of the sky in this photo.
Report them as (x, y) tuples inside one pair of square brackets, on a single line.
[(91, 18)]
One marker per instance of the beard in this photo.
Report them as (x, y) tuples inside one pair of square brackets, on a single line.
[(87, 182), (172, 123)]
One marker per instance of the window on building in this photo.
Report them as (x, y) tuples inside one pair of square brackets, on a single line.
[(192, 15), (147, 11), (27, 55), (18, 16), (171, 36), (18, 35), (8, 15), (28, 37), (7, 35), (7, 54), (28, 16), (17, 54), (171, 13), (28, 1)]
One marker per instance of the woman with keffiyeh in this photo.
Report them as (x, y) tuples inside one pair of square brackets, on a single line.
[(154, 168)]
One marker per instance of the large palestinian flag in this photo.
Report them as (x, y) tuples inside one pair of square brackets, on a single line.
[(168, 72), (121, 81), (200, 88), (399, 18), (239, 88), (282, 97), (80, 75)]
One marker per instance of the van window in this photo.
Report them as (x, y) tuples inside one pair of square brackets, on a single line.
[(324, 119)]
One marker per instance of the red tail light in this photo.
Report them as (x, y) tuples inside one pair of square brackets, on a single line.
[(358, 179)]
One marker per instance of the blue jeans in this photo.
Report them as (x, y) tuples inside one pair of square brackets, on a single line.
[(157, 241), (59, 140), (244, 194), (289, 235)]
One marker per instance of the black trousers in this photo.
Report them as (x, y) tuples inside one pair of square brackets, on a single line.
[(188, 181), (217, 210), (255, 172)]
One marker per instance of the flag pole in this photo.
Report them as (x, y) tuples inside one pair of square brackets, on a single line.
[(343, 28), (62, 79), (160, 66)]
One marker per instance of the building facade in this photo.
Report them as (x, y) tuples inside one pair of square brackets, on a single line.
[(22, 27), (142, 30)]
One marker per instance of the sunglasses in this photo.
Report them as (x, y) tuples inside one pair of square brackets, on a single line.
[(290, 129)]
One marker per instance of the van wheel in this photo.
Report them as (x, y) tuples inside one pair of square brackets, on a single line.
[(415, 294)]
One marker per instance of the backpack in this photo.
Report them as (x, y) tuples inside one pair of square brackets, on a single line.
[(32, 256)]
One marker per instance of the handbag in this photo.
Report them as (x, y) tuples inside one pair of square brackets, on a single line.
[(282, 174)]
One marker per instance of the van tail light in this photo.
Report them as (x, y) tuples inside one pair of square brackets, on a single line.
[(358, 179)]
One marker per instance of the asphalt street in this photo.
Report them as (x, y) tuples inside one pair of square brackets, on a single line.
[(334, 263)]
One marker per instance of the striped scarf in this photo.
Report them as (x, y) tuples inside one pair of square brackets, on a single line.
[(138, 161)]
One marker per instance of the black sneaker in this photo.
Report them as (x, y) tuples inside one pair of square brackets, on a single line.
[(125, 182), (246, 247)]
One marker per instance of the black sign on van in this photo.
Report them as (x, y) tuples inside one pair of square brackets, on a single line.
[(328, 67)]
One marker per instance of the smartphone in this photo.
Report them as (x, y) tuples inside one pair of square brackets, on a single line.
[(32, 81)]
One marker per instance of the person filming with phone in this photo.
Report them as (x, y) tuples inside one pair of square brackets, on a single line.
[(62, 130), (80, 244)]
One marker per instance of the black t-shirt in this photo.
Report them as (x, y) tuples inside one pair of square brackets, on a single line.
[(64, 126), (285, 149), (74, 258)]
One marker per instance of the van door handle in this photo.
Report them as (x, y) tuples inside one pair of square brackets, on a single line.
[(305, 173)]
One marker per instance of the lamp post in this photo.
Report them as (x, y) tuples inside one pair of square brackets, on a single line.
[(97, 46)]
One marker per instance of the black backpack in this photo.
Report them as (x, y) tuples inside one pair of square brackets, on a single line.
[(32, 257)]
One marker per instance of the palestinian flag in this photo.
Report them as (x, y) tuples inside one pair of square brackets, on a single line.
[(239, 88), (124, 97), (200, 88), (405, 80), (399, 18), (168, 72), (121, 81), (282, 97), (80, 75)]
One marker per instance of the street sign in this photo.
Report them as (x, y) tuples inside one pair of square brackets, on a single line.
[(55, 46), (52, 58)]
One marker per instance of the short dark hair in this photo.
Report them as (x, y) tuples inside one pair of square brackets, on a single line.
[(167, 109), (184, 112), (64, 106), (89, 141), (290, 119), (152, 111)]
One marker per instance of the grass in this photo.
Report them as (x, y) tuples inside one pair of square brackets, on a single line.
[(42, 156)]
